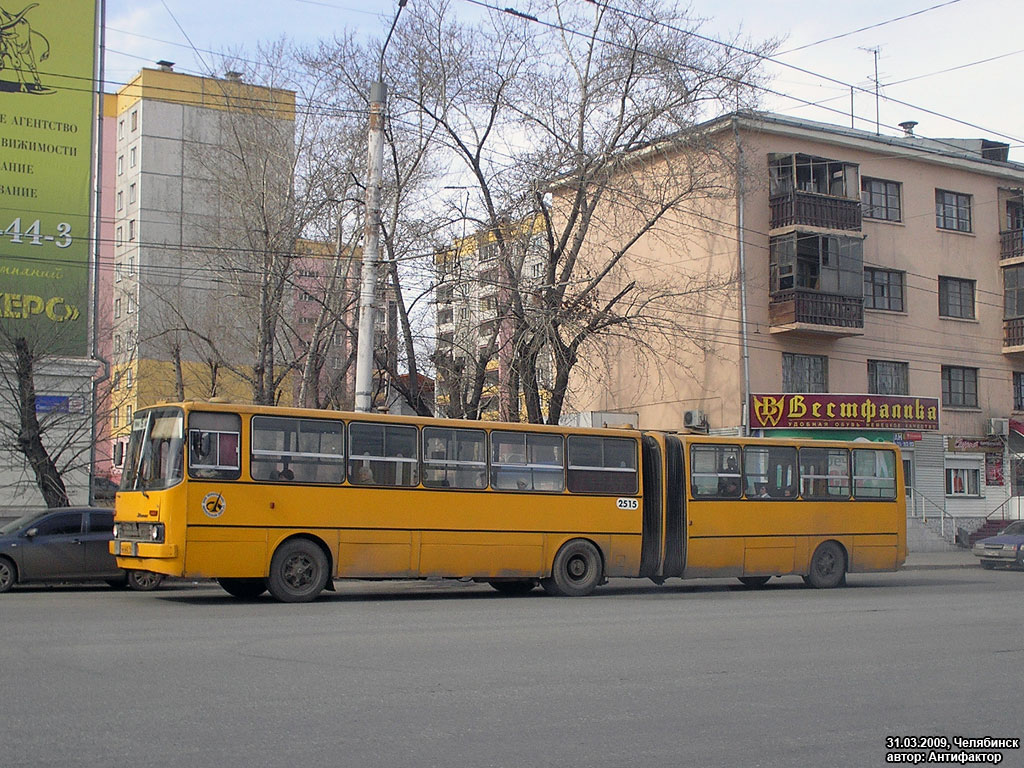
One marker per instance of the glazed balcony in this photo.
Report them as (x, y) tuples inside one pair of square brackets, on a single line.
[(811, 209), (1011, 244), (811, 312), (1013, 336)]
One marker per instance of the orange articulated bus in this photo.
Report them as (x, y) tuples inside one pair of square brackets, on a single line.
[(287, 500)]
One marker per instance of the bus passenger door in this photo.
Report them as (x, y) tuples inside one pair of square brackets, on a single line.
[(675, 508)]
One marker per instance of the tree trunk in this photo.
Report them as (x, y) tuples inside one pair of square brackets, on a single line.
[(30, 441)]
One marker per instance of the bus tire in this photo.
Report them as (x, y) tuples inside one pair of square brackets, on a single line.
[(754, 581), (514, 587), (244, 589), (577, 570), (144, 581), (298, 571), (8, 575), (828, 566)]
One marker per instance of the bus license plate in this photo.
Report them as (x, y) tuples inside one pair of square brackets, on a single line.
[(126, 549)]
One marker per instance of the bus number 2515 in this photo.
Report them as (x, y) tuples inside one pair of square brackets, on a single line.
[(627, 503)]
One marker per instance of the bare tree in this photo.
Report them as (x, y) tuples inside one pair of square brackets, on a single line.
[(554, 120)]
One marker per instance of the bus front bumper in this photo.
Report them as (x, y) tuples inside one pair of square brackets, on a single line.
[(142, 549)]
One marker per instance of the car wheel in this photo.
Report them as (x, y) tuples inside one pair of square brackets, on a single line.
[(244, 589), (514, 587), (577, 570), (144, 581), (8, 574), (828, 566), (754, 581), (298, 571)]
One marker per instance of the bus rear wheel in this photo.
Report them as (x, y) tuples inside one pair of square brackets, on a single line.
[(298, 571), (577, 570), (754, 581), (828, 566), (514, 587), (244, 589)]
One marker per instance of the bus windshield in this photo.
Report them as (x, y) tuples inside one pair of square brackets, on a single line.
[(155, 451)]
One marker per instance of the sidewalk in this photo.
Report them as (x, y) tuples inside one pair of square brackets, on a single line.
[(917, 561)]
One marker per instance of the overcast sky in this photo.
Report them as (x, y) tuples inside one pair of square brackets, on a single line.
[(978, 39)]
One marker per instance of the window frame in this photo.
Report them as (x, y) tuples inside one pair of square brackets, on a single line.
[(950, 207), (947, 295), (286, 457), (965, 395), (789, 385), (900, 373), (518, 471), (370, 461), (868, 196), (452, 467), (218, 470), (575, 473)]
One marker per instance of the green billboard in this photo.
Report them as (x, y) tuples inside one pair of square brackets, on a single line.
[(47, 116)]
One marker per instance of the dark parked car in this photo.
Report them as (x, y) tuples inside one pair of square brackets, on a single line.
[(65, 545), (1005, 550)]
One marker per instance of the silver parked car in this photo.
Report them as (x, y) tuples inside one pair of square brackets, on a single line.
[(70, 544), (1005, 550)]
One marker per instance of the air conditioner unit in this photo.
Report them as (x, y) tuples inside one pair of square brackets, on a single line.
[(695, 419), (999, 427)]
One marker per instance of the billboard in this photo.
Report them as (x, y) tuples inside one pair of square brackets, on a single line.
[(47, 103)]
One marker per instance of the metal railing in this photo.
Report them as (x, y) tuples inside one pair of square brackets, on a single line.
[(814, 308), (814, 210)]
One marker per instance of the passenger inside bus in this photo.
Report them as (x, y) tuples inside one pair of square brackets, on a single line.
[(286, 474)]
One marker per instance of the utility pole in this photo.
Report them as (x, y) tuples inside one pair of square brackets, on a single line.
[(371, 249), (371, 233)]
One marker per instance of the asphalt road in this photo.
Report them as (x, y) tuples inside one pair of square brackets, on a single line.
[(438, 674)]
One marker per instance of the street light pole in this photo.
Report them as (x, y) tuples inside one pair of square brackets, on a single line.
[(371, 234)]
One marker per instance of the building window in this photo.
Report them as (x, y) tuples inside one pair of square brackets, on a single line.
[(131, 305), (132, 157), (1015, 215), (886, 377), (1013, 292), (804, 373), (1018, 391), (952, 211), (120, 129), (128, 379), (128, 415), (120, 200), (959, 386), (883, 289), (117, 415), (117, 344), (824, 263), (963, 481), (135, 120), (120, 164), (131, 194), (131, 266), (812, 174), (956, 298), (880, 199), (117, 308), (536, 270), (131, 229)]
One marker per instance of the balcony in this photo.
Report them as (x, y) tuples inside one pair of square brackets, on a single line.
[(1011, 244), (1013, 336), (810, 312), (811, 209)]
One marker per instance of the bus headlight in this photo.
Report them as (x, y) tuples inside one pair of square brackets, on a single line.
[(156, 532)]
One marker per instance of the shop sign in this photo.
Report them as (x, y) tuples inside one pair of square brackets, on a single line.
[(828, 411), (974, 445)]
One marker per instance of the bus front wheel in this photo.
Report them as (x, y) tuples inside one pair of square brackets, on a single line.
[(828, 566), (298, 571), (577, 570), (244, 589)]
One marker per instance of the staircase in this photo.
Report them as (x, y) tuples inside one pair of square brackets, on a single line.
[(988, 528), (921, 537)]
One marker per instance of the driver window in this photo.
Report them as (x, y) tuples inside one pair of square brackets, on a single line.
[(213, 442)]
